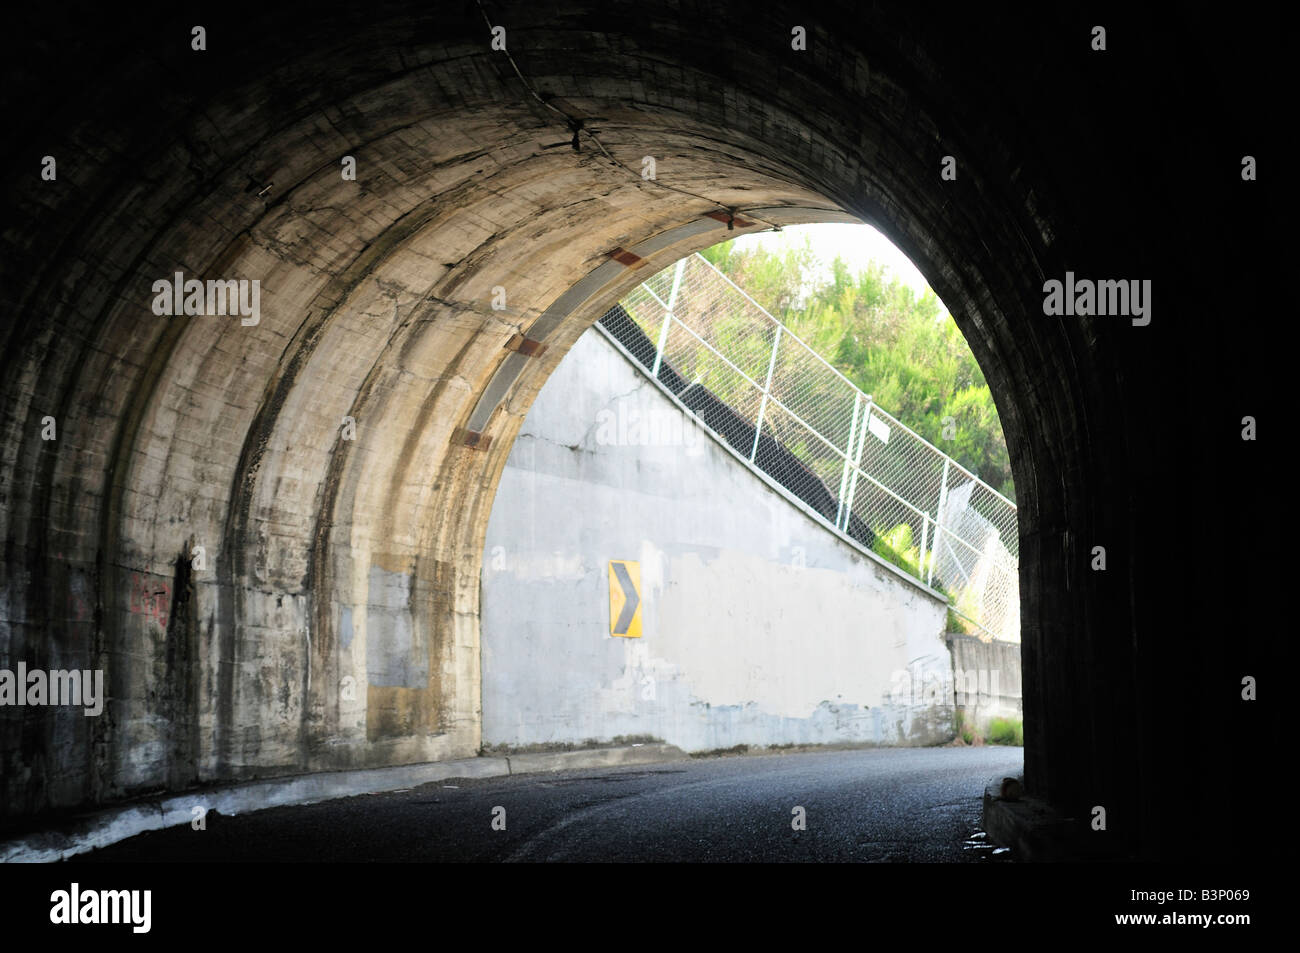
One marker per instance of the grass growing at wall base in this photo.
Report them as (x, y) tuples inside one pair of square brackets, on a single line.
[(965, 730), (1007, 731), (1001, 731)]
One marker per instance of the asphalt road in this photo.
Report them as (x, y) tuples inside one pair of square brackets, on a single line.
[(875, 805)]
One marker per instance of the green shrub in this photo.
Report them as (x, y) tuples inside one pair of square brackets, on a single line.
[(1007, 731)]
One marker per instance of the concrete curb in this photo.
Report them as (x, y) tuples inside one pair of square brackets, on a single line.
[(1035, 831), (102, 828), (594, 758)]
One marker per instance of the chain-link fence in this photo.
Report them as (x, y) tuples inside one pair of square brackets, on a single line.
[(793, 416)]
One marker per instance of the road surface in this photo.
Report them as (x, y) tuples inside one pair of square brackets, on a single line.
[(873, 805)]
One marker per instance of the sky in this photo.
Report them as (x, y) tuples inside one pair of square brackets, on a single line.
[(856, 244)]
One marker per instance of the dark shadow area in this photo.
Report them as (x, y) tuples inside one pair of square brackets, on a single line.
[(773, 458)]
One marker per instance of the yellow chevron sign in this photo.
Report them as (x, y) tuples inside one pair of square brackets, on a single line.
[(625, 598)]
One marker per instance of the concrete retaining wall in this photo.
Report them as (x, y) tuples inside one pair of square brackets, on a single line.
[(760, 627), (986, 680)]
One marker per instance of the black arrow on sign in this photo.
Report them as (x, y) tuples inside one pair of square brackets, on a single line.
[(630, 599)]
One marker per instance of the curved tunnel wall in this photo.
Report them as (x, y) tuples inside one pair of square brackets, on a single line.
[(377, 304)]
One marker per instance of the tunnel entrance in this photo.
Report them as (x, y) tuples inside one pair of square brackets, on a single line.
[(425, 258), (796, 561)]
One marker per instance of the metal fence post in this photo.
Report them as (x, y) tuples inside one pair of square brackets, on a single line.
[(659, 348), (938, 521), (925, 535), (857, 458), (668, 316), (848, 459), (677, 283), (767, 389)]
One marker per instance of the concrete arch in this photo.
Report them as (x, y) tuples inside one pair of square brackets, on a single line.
[(331, 559)]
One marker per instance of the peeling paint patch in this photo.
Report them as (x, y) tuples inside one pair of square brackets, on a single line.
[(345, 627), (393, 659)]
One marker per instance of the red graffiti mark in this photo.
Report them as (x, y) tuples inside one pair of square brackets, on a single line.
[(149, 598)]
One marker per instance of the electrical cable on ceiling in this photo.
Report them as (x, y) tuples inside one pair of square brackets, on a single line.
[(578, 126)]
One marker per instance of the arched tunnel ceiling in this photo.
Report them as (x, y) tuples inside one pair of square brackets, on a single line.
[(377, 304)]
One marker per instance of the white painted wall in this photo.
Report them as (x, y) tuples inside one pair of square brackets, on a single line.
[(760, 626)]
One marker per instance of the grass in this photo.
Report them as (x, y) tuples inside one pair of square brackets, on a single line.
[(966, 731), (896, 546), (956, 624), (1001, 731), (1007, 731)]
